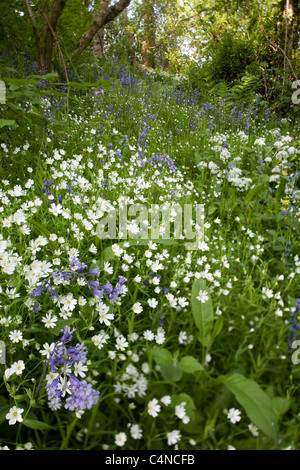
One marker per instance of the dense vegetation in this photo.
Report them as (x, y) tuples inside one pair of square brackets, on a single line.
[(137, 341)]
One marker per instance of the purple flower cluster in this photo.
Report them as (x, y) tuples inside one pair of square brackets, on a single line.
[(164, 159), (108, 291), (54, 394), (287, 251), (46, 190), (67, 356), (82, 395), (46, 184), (76, 267), (260, 165), (41, 289), (80, 267)]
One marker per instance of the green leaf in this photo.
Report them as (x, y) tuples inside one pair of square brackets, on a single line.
[(4, 409), (189, 403), (11, 69), (218, 327), (13, 302), (211, 209), (203, 313), (108, 254), (190, 364), (78, 86), (35, 424), (48, 76), (162, 356), (7, 122), (256, 403), (198, 157), (103, 83), (20, 81), (14, 88), (171, 372), (20, 397), (96, 119), (41, 228), (280, 405), (255, 191), (61, 324)]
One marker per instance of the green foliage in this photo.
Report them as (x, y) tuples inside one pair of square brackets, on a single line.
[(202, 310), (224, 348), (256, 403), (230, 57), (218, 338)]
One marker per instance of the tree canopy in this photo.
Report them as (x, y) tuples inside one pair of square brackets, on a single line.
[(221, 43)]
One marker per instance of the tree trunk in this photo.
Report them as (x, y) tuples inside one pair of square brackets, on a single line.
[(51, 25), (99, 43), (129, 37), (294, 26), (46, 36), (149, 34), (289, 30), (99, 37)]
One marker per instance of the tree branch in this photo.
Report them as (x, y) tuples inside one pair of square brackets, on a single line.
[(56, 12), (33, 22), (108, 14), (58, 46)]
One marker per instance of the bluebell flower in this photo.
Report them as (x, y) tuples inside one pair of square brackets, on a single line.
[(38, 291), (67, 334), (97, 292), (57, 275), (107, 288), (53, 294), (94, 272), (76, 263), (54, 394), (122, 280), (94, 284), (77, 353), (83, 395)]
